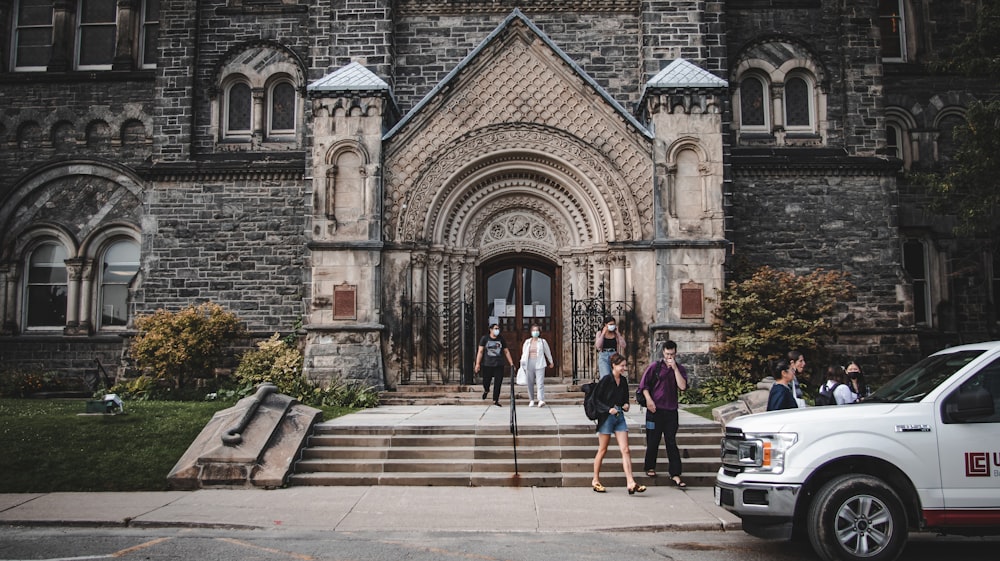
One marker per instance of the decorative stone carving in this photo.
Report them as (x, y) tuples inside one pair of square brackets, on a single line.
[(512, 111)]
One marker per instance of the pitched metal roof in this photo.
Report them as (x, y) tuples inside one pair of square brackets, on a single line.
[(684, 74), (517, 14), (353, 77)]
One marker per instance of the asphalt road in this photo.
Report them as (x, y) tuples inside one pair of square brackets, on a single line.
[(154, 544)]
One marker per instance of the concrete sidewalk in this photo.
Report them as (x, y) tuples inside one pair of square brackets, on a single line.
[(468, 509), (409, 508)]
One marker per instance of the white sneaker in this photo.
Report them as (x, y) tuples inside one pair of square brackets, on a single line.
[(531, 404), (541, 404)]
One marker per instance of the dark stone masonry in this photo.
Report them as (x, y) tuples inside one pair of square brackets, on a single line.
[(390, 177)]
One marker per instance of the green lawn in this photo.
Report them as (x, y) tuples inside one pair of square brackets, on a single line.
[(47, 446)]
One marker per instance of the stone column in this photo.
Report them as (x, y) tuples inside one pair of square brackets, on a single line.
[(125, 23), (74, 271), (8, 283), (62, 32), (86, 296), (618, 278), (258, 133)]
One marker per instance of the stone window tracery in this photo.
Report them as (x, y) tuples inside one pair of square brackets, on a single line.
[(258, 103)]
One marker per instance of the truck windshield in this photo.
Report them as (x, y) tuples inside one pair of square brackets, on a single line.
[(918, 380)]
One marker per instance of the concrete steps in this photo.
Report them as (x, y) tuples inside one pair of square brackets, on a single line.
[(558, 391), (547, 456)]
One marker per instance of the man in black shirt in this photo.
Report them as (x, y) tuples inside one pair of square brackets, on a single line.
[(489, 359)]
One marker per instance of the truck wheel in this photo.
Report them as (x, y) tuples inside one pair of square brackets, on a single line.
[(855, 518)]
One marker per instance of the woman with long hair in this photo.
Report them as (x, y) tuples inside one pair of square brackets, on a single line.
[(611, 396)]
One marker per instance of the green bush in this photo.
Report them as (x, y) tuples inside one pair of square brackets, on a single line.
[(177, 346), (280, 362), (717, 389), (142, 388), (772, 312)]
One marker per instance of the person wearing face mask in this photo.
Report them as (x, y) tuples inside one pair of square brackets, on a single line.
[(608, 342), (535, 356), (489, 359), (856, 378)]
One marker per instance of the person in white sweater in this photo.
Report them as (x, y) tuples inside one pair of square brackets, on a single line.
[(535, 356)]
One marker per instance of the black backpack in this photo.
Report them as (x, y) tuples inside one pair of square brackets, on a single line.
[(825, 396), (589, 403)]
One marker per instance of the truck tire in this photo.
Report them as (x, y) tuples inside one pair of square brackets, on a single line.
[(857, 518)]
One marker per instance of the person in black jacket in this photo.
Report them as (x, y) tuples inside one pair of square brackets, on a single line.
[(781, 395), (611, 396)]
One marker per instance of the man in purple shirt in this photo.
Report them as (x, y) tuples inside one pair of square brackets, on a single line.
[(661, 383)]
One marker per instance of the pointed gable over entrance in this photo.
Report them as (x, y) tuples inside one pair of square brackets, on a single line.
[(517, 105)]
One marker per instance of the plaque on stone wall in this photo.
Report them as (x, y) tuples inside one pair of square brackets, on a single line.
[(692, 300), (345, 301)]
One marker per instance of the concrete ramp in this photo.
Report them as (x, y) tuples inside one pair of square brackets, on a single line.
[(252, 444)]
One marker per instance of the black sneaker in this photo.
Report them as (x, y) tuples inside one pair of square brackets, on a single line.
[(497, 403), (484, 393)]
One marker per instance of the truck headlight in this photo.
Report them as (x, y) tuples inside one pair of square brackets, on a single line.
[(764, 453)]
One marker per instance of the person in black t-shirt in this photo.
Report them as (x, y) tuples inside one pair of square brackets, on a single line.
[(490, 359)]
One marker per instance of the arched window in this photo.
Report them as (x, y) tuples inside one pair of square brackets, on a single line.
[(258, 105), (798, 104), (239, 110), (281, 109), (45, 302), (119, 266), (753, 105)]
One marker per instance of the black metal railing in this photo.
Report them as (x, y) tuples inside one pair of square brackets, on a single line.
[(440, 343)]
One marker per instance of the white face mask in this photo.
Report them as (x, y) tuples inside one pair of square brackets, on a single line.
[(535, 334), (496, 332), (611, 328)]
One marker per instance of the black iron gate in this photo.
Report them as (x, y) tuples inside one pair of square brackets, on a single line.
[(440, 343), (587, 318)]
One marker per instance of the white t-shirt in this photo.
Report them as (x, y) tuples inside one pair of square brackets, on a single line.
[(842, 394)]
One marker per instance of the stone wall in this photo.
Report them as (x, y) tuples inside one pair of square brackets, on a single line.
[(854, 79), (431, 38), (236, 241), (45, 119), (67, 357)]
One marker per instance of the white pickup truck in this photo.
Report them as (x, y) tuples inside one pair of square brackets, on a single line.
[(922, 453)]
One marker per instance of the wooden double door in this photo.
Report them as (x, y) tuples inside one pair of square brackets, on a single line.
[(518, 292)]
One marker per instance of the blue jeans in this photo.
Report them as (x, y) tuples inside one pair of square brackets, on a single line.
[(604, 363)]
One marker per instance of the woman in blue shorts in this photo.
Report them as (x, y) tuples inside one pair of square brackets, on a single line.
[(611, 396)]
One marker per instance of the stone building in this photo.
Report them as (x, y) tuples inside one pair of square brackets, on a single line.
[(396, 174)]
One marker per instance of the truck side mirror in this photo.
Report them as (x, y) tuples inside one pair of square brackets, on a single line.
[(971, 404)]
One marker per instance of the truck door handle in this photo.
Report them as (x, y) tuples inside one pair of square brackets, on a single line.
[(913, 428)]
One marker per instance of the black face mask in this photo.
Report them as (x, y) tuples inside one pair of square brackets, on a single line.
[(853, 375)]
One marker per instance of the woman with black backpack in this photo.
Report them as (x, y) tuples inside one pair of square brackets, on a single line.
[(611, 401)]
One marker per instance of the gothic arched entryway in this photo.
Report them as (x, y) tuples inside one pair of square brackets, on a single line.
[(518, 291)]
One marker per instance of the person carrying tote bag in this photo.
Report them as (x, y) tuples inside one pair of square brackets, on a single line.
[(535, 357)]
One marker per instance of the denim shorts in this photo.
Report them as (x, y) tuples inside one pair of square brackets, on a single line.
[(613, 424)]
